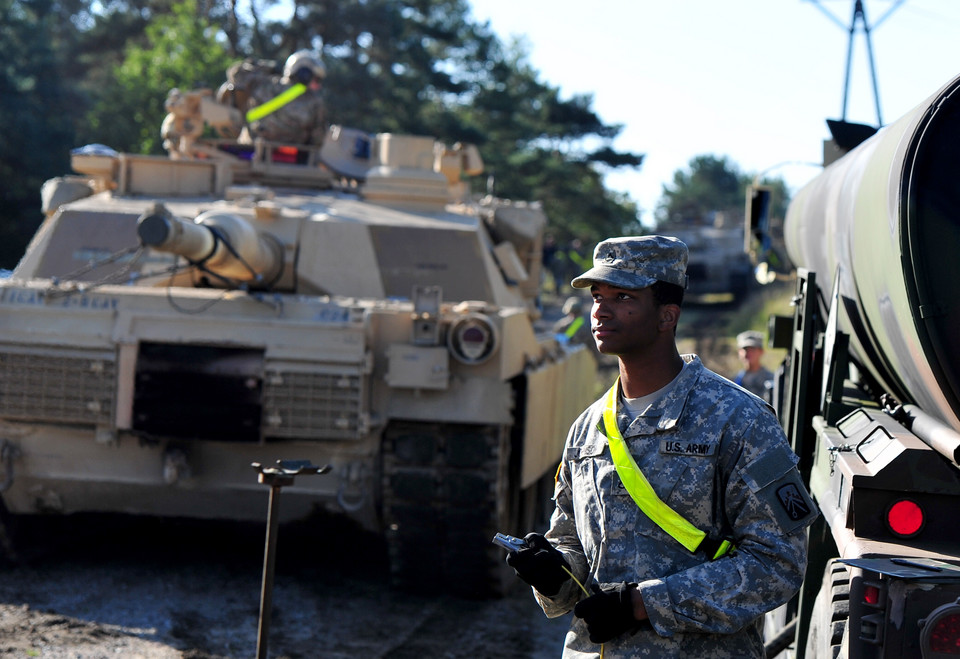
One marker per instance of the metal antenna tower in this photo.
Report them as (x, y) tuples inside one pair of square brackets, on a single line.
[(859, 15)]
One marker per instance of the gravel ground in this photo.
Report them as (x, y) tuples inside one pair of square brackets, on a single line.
[(94, 587)]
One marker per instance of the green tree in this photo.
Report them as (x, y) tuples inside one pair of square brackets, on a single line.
[(181, 49), (711, 184), (714, 185), (538, 146), (33, 104)]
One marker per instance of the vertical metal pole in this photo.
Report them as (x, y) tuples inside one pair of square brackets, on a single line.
[(873, 68), (269, 561), (846, 80), (276, 477)]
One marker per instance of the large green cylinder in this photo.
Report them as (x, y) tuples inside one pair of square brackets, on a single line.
[(885, 220)]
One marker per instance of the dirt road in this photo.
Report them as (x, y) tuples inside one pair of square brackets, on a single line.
[(92, 588)]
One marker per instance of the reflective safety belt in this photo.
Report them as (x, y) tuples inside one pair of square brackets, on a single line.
[(574, 326), (275, 103), (642, 492)]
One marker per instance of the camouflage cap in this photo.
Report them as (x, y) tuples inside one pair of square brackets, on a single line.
[(636, 262), (750, 339)]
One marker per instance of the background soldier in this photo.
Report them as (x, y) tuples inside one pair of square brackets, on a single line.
[(754, 377)]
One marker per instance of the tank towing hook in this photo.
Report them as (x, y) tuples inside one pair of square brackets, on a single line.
[(277, 477)]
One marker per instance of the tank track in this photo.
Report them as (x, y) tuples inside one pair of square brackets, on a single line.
[(8, 551), (446, 493)]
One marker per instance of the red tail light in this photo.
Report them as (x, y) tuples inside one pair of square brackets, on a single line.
[(285, 154), (941, 632), (905, 518)]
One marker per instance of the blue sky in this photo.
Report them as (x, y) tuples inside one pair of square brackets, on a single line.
[(753, 80)]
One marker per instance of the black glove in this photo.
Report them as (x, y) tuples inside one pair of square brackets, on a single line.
[(608, 612), (540, 565)]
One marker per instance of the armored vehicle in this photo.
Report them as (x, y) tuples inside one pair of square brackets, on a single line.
[(718, 266), (177, 319), (870, 393)]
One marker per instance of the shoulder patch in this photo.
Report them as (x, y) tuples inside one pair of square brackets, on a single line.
[(794, 503)]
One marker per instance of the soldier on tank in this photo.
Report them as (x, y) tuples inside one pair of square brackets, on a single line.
[(286, 108), (680, 514)]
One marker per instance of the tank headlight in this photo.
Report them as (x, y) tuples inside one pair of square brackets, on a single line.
[(941, 632), (472, 339), (905, 518)]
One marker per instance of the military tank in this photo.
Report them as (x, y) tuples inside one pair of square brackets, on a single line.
[(719, 268), (869, 395), (178, 319)]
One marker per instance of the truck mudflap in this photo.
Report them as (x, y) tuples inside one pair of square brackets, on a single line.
[(886, 607)]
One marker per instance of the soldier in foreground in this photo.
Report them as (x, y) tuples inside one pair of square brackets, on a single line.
[(680, 515)]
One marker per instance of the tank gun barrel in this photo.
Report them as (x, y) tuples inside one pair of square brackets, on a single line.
[(222, 243)]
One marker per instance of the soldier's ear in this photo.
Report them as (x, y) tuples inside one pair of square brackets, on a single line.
[(669, 316)]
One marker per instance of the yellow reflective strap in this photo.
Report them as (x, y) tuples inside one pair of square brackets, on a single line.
[(639, 487), (725, 546), (275, 103), (574, 326)]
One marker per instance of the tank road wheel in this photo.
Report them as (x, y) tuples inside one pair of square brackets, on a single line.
[(445, 495), (831, 610)]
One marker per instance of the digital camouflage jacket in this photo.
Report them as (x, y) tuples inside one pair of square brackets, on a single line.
[(718, 457)]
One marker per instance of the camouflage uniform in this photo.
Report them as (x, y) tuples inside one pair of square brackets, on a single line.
[(718, 457), (301, 121), (756, 382)]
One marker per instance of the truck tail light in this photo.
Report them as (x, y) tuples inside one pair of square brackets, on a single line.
[(940, 636), (905, 518)]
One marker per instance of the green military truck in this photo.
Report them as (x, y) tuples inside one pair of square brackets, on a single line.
[(870, 393)]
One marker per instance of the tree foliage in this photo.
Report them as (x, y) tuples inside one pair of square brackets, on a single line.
[(98, 71), (712, 185), (180, 49), (32, 104)]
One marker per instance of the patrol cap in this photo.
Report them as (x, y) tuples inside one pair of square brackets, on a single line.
[(636, 262), (750, 339)]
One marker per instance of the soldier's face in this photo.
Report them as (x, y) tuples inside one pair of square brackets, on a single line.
[(750, 356), (626, 321)]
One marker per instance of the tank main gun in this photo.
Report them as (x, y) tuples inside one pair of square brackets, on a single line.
[(222, 244)]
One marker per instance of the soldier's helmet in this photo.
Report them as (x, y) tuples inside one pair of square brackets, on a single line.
[(302, 66)]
